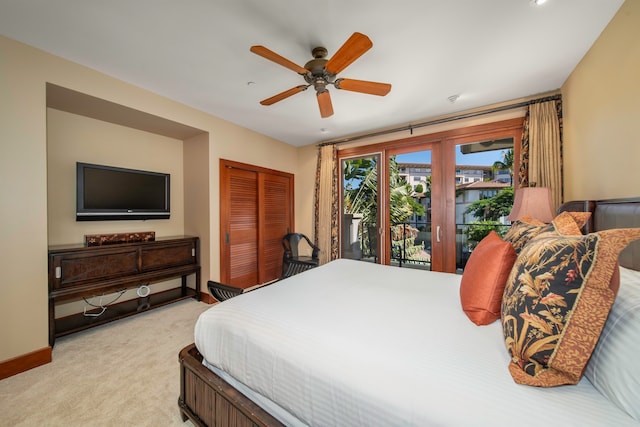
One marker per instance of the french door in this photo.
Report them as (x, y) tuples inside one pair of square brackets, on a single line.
[(484, 187), (389, 226), (361, 208), (415, 217), (428, 177)]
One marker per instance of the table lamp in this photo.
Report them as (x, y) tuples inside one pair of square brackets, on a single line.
[(534, 202)]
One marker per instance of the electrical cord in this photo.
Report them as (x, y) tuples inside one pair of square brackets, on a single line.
[(102, 306)]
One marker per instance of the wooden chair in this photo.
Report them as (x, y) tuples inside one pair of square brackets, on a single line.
[(294, 263)]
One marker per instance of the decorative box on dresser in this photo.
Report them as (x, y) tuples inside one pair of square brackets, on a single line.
[(78, 271)]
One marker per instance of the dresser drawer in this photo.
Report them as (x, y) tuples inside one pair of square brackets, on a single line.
[(158, 257), (76, 269)]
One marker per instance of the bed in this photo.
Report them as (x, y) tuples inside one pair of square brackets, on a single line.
[(352, 343)]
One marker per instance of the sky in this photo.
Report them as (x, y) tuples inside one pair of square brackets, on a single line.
[(485, 158)]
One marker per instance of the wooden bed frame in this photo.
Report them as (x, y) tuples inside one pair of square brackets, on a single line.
[(208, 400)]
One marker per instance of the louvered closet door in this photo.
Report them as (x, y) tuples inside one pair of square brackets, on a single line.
[(256, 211), (275, 197), (242, 230)]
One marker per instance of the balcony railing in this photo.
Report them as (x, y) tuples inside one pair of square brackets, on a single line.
[(411, 242)]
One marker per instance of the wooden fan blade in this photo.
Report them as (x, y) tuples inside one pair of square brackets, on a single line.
[(363, 86), (324, 102), (272, 56), (351, 50), (283, 95)]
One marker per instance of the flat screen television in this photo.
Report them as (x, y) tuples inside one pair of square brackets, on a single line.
[(105, 193)]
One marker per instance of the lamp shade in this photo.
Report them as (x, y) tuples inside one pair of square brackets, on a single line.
[(534, 202)]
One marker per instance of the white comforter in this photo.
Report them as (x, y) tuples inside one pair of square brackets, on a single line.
[(359, 344)]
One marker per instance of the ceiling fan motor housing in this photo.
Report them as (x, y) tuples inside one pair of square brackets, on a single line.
[(318, 76)]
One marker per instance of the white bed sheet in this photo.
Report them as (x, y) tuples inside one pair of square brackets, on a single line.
[(359, 344)]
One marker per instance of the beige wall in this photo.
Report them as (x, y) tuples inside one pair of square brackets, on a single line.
[(601, 100), (197, 188), (24, 73), (72, 138), (305, 182), (23, 195)]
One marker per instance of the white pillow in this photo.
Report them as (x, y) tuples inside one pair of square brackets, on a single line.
[(614, 369)]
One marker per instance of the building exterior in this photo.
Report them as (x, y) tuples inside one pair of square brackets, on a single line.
[(473, 183), (472, 192)]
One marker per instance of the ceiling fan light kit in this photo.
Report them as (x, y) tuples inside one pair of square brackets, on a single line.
[(321, 72)]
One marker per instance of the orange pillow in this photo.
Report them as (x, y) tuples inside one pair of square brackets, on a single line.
[(484, 279)]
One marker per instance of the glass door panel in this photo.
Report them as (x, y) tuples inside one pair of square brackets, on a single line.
[(410, 209), (484, 193), (360, 224)]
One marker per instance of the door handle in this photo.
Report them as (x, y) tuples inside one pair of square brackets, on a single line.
[(437, 233)]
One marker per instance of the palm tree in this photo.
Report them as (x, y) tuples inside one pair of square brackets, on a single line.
[(505, 165), (361, 191)]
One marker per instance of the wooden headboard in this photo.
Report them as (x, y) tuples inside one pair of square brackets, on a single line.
[(614, 213)]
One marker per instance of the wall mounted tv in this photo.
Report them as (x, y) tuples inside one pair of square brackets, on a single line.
[(106, 193)]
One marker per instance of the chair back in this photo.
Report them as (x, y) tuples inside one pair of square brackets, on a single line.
[(294, 263), (291, 245), (221, 291)]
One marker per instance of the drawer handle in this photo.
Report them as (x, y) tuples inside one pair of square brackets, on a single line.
[(58, 272)]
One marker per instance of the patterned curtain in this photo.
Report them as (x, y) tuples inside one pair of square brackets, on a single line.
[(523, 172), (541, 150), (326, 203)]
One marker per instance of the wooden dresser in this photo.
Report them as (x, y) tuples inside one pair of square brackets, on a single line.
[(77, 272)]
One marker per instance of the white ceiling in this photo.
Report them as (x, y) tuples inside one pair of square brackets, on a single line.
[(197, 52)]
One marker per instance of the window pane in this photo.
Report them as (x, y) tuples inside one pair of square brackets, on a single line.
[(360, 208), (410, 209), (484, 193)]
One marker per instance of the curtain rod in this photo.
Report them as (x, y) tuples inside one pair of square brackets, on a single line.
[(443, 120)]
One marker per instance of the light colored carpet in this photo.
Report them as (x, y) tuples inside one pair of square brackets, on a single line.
[(125, 373)]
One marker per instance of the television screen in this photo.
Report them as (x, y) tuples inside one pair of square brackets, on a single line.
[(111, 193)]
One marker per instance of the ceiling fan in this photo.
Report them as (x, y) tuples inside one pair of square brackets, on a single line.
[(320, 72)]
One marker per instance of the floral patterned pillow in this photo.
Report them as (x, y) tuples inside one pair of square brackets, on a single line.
[(581, 218), (525, 229), (556, 302)]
